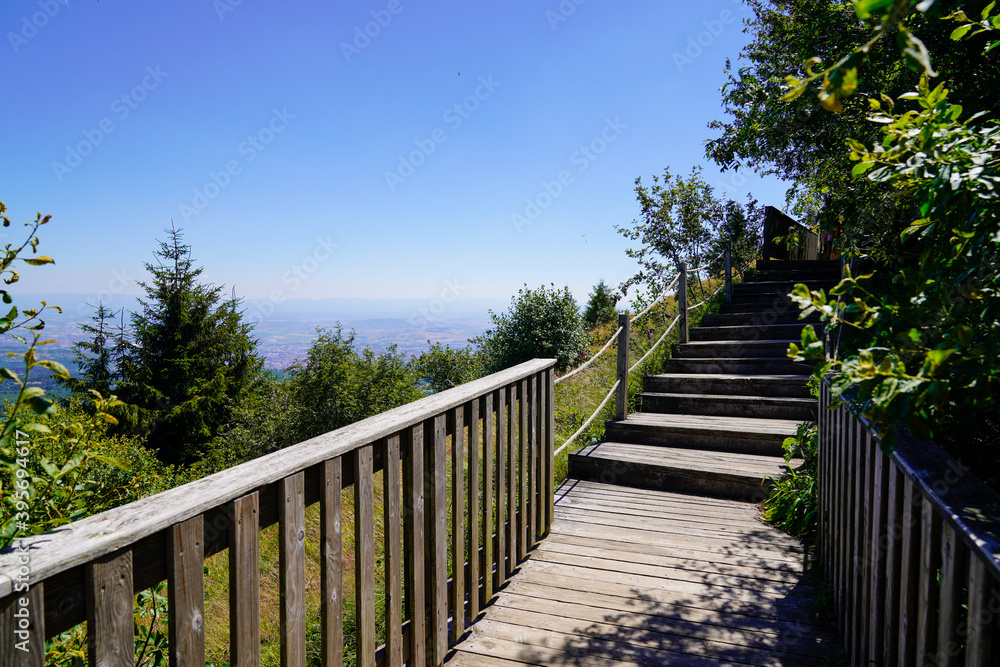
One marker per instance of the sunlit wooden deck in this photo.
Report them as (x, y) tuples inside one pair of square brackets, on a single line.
[(637, 577)]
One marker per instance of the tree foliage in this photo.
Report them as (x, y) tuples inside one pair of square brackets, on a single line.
[(600, 305), (443, 367), (190, 359), (541, 323)]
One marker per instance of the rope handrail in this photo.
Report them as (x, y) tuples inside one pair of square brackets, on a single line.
[(706, 299), (580, 430), (657, 343), (705, 266), (591, 360), (658, 299)]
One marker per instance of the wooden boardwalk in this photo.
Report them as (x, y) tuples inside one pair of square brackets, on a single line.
[(641, 577)]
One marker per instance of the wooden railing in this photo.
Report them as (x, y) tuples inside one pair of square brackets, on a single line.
[(777, 225), (499, 465), (911, 544)]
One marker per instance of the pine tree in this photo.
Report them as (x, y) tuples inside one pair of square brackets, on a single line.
[(601, 306), (191, 358), (94, 357)]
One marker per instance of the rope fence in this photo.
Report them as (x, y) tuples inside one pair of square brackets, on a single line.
[(622, 330)]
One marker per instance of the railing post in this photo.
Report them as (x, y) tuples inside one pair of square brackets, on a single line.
[(682, 300), (621, 396), (729, 273)]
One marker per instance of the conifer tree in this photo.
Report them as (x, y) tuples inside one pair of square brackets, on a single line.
[(95, 356), (191, 359)]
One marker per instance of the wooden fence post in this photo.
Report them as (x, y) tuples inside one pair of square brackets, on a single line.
[(729, 272), (682, 300), (621, 397)]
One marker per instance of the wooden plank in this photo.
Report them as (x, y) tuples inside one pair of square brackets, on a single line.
[(364, 554), (501, 490), (82, 541), (867, 553), (292, 563), (414, 541), (522, 473), (22, 628), (486, 407), (909, 579), (110, 637), (893, 562), (981, 640), (393, 552), (954, 558), (331, 565), (510, 398), (475, 466), (859, 554), (930, 561), (436, 498), (532, 397), (244, 581), (550, 445), (457, 418), (186, 592), (877, 551)]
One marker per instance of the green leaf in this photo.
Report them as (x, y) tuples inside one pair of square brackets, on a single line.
[(959, 32), (41, 406), (865, 9), (7, 374), (987, 10), (860, 168), (57, 369), (39, 261)]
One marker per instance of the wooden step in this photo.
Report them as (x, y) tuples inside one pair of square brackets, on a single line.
[(777, 305), (728, 405), (707, 473), (762, 332), (743, 435), (798, 265), (778, 286), (796, 275), (735, 349), (728, 383), (741, 366), (756, 318)]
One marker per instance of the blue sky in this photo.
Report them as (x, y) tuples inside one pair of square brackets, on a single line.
[(368, 149)]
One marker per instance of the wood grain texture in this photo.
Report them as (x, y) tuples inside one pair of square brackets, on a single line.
[(489, 492), (82, 541), (475, 520), (877, 570), (532, 404), (981, 642), (110, 638), (292, 562), (909, 577), (510, 398), (954, 559), (523, 462), (502, 570), (457, 605), (893, 564), (331, 565), (186, 592), (621, 368), (22, 628), (550, 446), (930, 562), (393, 552), (436, 497), (414, 550), (364, 554), (244, 581)]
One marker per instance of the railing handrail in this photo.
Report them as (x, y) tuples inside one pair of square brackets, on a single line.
[(91, 538), (971, 508)]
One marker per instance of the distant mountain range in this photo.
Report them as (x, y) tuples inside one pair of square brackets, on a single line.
[(286, 328)]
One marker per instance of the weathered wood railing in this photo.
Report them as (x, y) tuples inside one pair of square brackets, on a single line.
[(90, 570), (911, 543)]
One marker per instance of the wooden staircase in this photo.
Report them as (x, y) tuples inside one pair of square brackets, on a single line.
[(713, 423)]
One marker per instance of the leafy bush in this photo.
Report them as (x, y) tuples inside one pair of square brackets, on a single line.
[(601, 306), (541, 323), (793, 501), (443, 367)]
